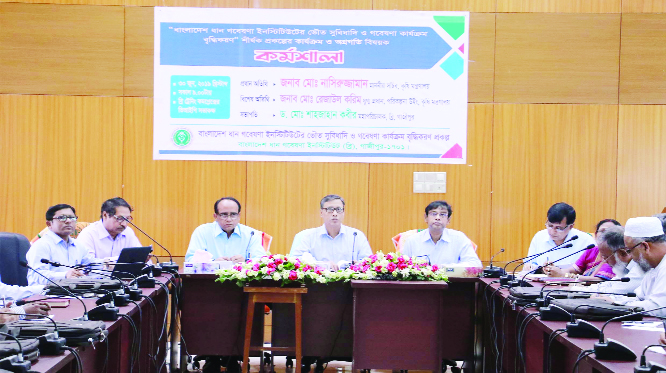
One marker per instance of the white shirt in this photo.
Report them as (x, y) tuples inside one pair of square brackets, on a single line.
[(542, 243), (210, 237), (452, 247), (54, 248), (635, 274), (101, 245), (323, 247), (18, 292), (652, 292)]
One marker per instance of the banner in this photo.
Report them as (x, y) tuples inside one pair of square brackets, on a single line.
[(310, 85)]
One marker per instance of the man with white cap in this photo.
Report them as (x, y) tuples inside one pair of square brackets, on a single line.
[(645, 240)]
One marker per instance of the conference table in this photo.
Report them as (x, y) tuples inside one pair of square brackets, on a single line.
[(114, 352)]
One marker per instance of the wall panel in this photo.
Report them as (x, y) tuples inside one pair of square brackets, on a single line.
[(557, 58), (458, 5), (394, 208), (68, 2), (311, 4), (57, 149), (641, 168), (190, 3), (283, 197), (643, 6), (481, 57), (559, 6), (543, 154), (61, 49), (139, 51), (171, 198), (643, 59)]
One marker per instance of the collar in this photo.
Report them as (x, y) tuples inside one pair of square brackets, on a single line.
[(321, 231), (219, 231), (57, 239), (569, 235), (103, 233), (445, 235)]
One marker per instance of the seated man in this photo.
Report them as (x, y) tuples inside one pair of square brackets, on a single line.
[(645, 239), (14, 313), (56, 245), (559, 228), (333, 242), (441, 245), (106, 238), (225, 238), (612, 249), (15, 293)]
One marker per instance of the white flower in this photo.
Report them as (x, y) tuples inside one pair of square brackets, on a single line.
[(276, 276)]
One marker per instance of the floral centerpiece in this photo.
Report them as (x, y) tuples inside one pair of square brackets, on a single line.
[(288, 270)]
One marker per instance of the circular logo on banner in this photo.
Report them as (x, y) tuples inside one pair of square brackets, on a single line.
[(182, 137)]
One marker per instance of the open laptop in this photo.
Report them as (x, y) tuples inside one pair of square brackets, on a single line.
[(131, 260)]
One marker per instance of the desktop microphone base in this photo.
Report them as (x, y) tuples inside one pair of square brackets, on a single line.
[(493, 272), (103, 313), (50, 344), (12, 364), (169, 266), (582, 329), (613, 350)]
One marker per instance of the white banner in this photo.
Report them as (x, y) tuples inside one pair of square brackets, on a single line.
[(310, 85)]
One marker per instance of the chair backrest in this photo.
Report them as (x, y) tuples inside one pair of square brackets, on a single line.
[(266, 240), (13, 248)]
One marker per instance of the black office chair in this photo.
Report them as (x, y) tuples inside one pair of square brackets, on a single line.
[(13, 248)]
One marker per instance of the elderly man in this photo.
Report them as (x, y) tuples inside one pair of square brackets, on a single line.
[(645, 240), (106, 238), (333, 242), (559, 228), (439, 244), (57, 246), (225, 238)]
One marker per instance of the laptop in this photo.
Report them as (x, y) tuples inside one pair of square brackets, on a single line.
[(131, 260)]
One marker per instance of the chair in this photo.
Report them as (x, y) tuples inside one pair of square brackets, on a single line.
[(13, 247), (266, 241)]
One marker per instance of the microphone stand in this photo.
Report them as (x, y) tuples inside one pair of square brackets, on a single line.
[(166, 266), (49, 343), (15, 363)]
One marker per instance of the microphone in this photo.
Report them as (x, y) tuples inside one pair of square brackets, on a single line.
[(614, 350), (247, 252), (121, 299), (521, 282), (494, 272), (622, 279), (15, 363), (85, 316), (644, 367), (165, 265), (49, 343), (144, 281), (353, 247), (536, 256), (504, 280)]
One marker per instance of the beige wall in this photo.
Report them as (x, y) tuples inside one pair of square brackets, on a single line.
[(567, 103)]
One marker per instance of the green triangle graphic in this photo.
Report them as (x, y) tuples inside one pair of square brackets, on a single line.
[(453, 25)]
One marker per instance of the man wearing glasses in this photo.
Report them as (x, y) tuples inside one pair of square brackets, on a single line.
[(57, 245), (106, 238), (333, 242), (225, 238), (438, 244), (645, 240), (559, 228)]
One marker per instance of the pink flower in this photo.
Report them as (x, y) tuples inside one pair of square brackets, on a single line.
[(402, 265), (391, 267), (255, 267), (270, 271), (238, 267), (373, 258), (297, 265), (270, 256), (366, 268), (278, 261), (270, 265), (435, 268), (318, 270), (389, 256), (401, 259), (355, 267), (378, 268), (307, 268), (293, 276)]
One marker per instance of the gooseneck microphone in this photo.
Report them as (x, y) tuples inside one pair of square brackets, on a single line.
[(23, 263), (494, 272), (622, 279), (590, 246), (247, 249), (165, 266), (504, 280), (614, 350), (49, 343), (15, 363), (353, 247), (650, 367)]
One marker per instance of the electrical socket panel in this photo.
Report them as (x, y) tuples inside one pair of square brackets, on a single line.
[(429, 182)]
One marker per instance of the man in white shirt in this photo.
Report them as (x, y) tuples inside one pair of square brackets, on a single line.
[(15, 292), (106, 238), (645, 239), (439, 244), (57, 246), (559, 228), (333, 242), (225, 238)]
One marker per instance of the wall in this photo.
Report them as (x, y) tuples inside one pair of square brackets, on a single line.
[(567, 103)]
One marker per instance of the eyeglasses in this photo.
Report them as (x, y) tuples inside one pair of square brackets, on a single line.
[(558, 229), (65, 218), (628, 251), (228, 215), (330, 210), (434, 214), (121, 218)]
